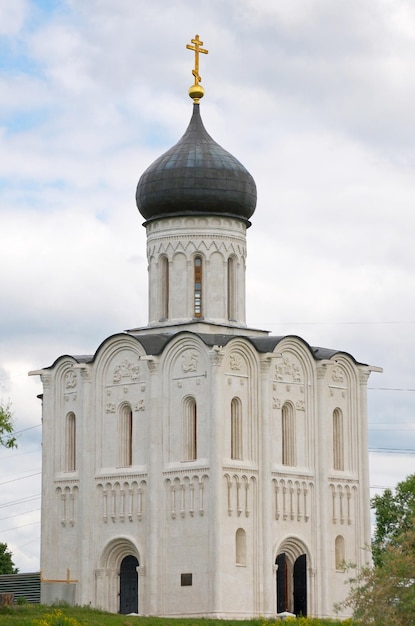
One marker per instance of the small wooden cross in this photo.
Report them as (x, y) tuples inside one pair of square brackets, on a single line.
[(197, 49)]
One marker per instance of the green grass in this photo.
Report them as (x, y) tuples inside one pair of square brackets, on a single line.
[(36, 615)]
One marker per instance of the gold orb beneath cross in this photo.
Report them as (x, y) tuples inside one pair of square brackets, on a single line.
[(196, 92)]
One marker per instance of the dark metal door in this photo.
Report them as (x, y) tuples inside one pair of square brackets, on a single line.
[(300, 585), (129, 585), (282, 604)]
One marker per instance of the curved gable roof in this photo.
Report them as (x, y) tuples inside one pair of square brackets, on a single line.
[(155, 343)]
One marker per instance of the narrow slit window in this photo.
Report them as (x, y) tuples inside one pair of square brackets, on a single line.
[(125, 437), (240, 546), (236, 429), (232, 289), (198, 287), (340, 553), (164, 288), (189, 430), (70, 462), (288, 435), (338, 440)]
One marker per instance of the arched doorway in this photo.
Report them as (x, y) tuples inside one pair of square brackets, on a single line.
[(291, 579), (129, 585), (117, 589)]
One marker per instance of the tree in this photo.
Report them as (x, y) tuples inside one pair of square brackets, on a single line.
[(385, 594), (394, 514), (7, 438), (6, 563)]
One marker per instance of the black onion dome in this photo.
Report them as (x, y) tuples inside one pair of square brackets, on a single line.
[(196, 177)]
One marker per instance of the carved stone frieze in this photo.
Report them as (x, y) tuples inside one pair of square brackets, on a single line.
[(186, 496), (292, 499), (288, 369), (70, 397), (276, 403), (70, 379), (235, 361), (126, 371), (189, 361), (122, 501), (337, 374)]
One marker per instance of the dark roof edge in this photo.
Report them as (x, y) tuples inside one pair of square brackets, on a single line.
[(154, 344)]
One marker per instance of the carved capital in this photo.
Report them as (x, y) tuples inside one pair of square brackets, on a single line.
[(86, 373), (265, 364), (216, 355), (46, 379), (321, 371), (363, 376)]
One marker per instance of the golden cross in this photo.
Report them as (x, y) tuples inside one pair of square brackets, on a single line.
[(197, 49)]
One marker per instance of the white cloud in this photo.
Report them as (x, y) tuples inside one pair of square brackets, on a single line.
[(12, 16)]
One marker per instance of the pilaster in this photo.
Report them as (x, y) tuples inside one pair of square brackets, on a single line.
[(215, 585), (152, 601)]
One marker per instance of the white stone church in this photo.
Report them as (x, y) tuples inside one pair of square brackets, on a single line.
[(196, 466)]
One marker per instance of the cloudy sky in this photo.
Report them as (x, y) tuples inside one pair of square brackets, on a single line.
[(315, 97)]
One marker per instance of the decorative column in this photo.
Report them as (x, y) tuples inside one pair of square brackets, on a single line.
[(49, 523), (364, 488), (265, 491), (320, 602), (216, 485), (151, 599), (86, 471)]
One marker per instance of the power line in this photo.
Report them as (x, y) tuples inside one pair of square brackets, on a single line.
[(336, 323), (19, 514), (27, 543), (22, 478), (17, 432), (26, 499), (5, 530)]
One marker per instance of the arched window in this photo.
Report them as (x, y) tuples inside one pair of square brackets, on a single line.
[(340, 553), (232, 288), (236, 429), (70, 450), (198, 287), (189, 429), (240, 546), (338, 440), (164, 288), (288, 435), (125, 437)]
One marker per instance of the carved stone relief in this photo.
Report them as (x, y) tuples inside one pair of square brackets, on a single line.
[(189, 361), (126, 371), (338, 374), (288, 369), (235, 361), (70, 379)]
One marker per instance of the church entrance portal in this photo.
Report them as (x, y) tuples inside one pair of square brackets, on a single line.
[(129, 585), (291, 584)]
